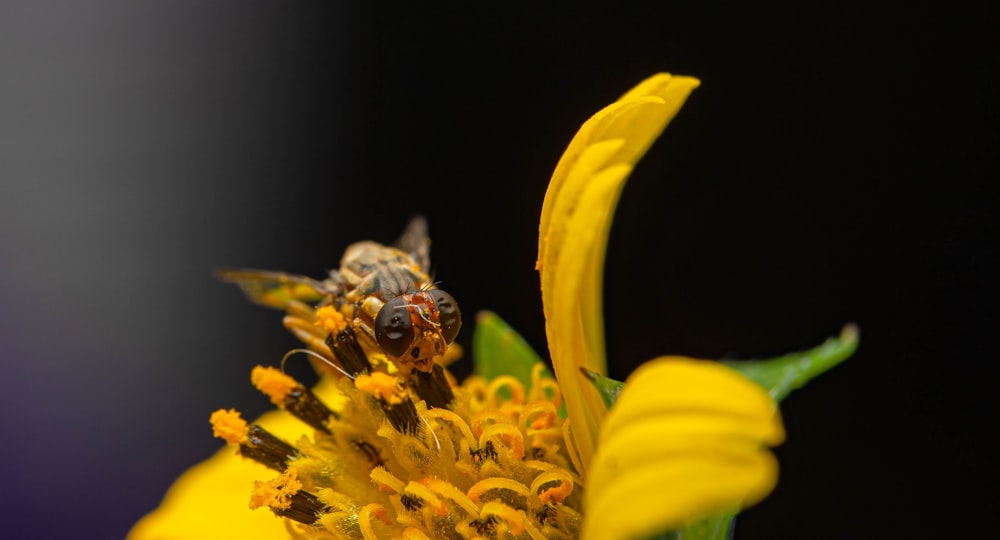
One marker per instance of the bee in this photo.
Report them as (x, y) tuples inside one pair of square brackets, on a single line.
[(388, 301)]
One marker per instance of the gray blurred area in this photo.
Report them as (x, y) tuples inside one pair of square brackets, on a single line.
[(141, 145), (837, 165)]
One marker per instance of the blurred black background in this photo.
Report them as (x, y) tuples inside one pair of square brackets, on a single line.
[(836, 165)]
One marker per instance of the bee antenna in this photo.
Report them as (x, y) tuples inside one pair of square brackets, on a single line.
[(317, 356)]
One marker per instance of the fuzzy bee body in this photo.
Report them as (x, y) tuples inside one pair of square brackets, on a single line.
[(384, 294)]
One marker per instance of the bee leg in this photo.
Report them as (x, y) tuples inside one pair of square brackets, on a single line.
[(433, 387)]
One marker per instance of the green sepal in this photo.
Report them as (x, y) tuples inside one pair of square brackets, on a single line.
[(785, 373), (497, 349), (713, 528), (608, 388)]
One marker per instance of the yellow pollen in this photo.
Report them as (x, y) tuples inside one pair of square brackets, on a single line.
[(538, 415), (276, 493), (543, 485), (383, 386), (329, 319), (272, 382), (229, 426)]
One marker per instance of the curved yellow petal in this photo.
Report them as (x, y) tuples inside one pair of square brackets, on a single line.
[(573, 231), (210, 500), (685, 440)]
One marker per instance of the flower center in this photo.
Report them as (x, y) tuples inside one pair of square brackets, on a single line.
[(492, 463)]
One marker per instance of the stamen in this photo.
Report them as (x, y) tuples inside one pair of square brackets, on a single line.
[(446, 489), (384, 387), (403, 417), (229, 426), (488, 452), (267, 449), (389, 392), (411, 503), (544, 388), (416, 489), (433, 387), (372, 453), (538, 416), (481, 420), (513, 518), (457, 421), (483, 527), (508, 434), (513, 385), (288, 394), (476, 491), (386, 480), (533, 531), (254, 441), (547, 492), (329, 319), (365, 516), (348, 351), (412, 533), (285, 497), (275, 384)]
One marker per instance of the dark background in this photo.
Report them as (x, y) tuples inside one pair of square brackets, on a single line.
[(836, 165)]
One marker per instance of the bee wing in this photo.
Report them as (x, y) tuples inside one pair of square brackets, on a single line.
[(275, 289), (416, 243)]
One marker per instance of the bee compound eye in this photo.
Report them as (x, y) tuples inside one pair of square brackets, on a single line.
[(448, 314), (393, 329)]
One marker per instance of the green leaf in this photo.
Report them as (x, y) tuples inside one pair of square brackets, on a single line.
[(785, 373), (779, 376), (498, 350), (714, 528), (608, 388)]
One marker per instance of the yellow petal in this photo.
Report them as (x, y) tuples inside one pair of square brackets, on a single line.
[(210, 500), (685, 440), (573, 231)]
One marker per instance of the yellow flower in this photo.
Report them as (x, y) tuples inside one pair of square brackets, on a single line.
[(686, 439)]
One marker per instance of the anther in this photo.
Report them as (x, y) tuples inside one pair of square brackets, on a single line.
[(268, 449), (345, 347), (286, 498), (372, 453), (288, 394), (254, 441), (304, 508), (410, 502), (403, 416), (433, 387)]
